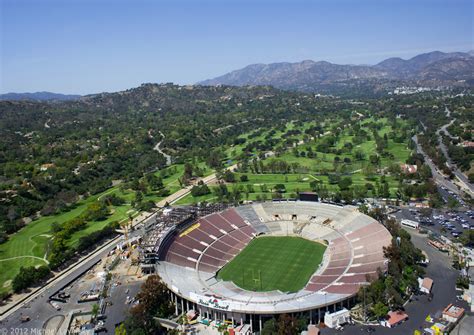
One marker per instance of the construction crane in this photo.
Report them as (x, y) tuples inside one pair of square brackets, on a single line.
[(124, 229)]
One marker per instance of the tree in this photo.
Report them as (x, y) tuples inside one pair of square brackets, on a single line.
[(58, 253), (120, 330), (155, 182), (96, 211), (452, 203), (229, 176), (221, 191), (30, 276), (380, 310), (345, 183), (471, 177), (334, 178), (113, 200), (287, 325), (359, 155), (279, 188), (347, 195), (188, 171), (153, 302), (425, 172), (95, 310), (200, 189), (385, 190), (360, 192), (374, 160), (244, 178), (270, 327), (249, 188), (467, 238)]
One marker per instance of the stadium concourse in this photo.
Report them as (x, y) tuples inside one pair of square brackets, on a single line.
[(191, 257)]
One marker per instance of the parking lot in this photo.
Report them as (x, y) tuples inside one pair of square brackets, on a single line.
[(447, 223), (444, 293)]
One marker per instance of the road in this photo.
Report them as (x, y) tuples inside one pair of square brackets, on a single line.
[(461, 176), (37, 306), (437, 175), (117, 309)]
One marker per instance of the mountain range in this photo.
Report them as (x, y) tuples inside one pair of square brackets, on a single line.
[(432, 69), (39, 96)]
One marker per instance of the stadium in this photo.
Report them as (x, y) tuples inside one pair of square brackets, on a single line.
[(245, 264)]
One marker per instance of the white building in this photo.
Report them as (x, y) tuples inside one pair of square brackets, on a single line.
[(332, 320)]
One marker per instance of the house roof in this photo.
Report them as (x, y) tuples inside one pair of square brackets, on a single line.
[(427, 283), (407, 168), (313, 330), (395, 317), (453, 311), (468, 144)]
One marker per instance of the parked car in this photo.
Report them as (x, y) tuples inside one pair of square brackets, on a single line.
[(25, 318)]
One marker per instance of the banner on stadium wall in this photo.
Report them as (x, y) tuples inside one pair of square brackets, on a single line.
[(211, 302)]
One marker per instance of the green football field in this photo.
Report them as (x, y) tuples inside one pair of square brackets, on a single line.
[(274, 263)]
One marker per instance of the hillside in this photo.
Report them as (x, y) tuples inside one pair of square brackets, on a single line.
[(430, 69), (39, 96)]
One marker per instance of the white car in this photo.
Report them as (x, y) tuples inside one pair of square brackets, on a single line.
[(55, 305)]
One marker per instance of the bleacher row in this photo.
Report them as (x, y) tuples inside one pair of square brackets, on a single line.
[(216, 240), (354, 260), (354, 255)]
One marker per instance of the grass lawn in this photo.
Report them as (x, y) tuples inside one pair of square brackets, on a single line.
[(293, 183), (274, 263), (234, 151), (28, 247)]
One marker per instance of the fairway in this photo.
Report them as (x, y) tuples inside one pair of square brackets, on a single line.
[(274, 263), (29, 246)]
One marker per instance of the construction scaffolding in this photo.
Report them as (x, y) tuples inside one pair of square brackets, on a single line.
[(159, 232)]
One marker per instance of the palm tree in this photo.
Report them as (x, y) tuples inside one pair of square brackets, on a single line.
[(95, 311)]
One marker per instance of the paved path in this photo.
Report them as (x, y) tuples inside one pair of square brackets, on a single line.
[(158, 148), (171, 199), (26, 256)]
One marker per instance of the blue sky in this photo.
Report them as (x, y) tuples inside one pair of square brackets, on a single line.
[(85, 46)]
